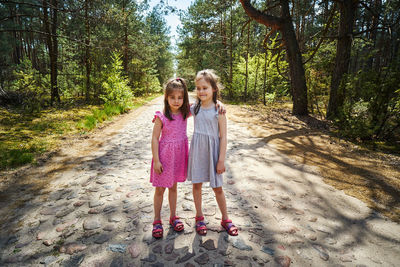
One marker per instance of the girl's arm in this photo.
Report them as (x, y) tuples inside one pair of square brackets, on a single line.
[(223, 141), (157, 166)]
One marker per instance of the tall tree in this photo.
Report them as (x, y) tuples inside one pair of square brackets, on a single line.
[(347, 10), (284, 24)]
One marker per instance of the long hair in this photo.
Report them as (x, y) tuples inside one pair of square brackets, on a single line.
[(213, 79), (170, 86)]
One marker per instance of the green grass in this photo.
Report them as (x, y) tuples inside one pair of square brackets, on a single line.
[(24, 136)]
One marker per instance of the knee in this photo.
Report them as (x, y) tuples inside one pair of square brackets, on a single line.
[(172, 189), (218, 190), (197, 187), (159, 191)]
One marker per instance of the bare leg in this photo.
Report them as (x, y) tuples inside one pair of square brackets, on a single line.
[(220, 196), (197, 198), (172, 198), (158, 200)]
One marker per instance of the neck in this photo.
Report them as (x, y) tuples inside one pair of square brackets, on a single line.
[(207, 103)]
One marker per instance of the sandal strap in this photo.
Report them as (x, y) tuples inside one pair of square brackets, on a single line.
[(201, 218), (157, 222), (200, 224), (158, 226), (175, 221)]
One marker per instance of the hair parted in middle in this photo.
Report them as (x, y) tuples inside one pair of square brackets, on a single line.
[(213, 79), (172, 85)]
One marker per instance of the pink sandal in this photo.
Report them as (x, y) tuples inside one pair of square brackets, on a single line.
[(157, 229), (201, 227), (176, 224), (230, 227)]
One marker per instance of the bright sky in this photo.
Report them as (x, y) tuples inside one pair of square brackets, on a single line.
[(173, 18)]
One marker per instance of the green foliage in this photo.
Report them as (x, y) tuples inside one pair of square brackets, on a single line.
[(29, 86), (115, 86), (100, 115), (318, 77), (371, 108)]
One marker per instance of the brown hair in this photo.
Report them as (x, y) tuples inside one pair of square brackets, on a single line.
[(170, 86), (213, 79)]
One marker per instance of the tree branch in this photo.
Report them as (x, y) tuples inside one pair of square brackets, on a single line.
[(267, 20)]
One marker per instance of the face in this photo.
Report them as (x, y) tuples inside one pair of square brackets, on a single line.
[(175, 100), (204, 90)]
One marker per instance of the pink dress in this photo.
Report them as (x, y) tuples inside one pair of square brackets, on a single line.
[(173, 152)]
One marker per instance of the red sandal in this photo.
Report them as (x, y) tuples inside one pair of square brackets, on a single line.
[(201, 227), (229, 227), (176, 224), (157, 229)]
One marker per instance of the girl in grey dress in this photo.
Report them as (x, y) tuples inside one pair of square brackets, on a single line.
[(208, 148)]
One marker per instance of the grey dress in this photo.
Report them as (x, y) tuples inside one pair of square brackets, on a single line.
[(204, 148)]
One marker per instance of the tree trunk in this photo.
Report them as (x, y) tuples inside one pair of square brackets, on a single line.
[(231, 56), (296, 70), (247, 64), (55, 96), (87, 50), (255, 82), (265, 77), (347, 10), (297, 76), (125, 46)]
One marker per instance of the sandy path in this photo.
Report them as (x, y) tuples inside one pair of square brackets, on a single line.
[(97, 210)]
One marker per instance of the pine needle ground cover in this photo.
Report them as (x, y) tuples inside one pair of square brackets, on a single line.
[(371, 176)]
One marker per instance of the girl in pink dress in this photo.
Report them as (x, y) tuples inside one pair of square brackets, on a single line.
[(170, 152)]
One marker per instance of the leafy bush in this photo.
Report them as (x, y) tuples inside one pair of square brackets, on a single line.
[(371, 109), (115, 86), (27, 89)]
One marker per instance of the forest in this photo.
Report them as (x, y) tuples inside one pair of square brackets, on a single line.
[(336, 60)]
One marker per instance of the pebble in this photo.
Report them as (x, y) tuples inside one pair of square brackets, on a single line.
[(48, 260), (72, 248), (74, 261), (202, 259), (117, 262), (283, 261), (135, 250), (95, 203), (208, 244), (101, 239), (239, 243), (171, 257), (150, 258), (91, 224), (185, 258), (323, 254), (157, 249), (121, 248), (268, 250), (169, 247)]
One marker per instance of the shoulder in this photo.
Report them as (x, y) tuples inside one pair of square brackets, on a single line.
[(160, 116)]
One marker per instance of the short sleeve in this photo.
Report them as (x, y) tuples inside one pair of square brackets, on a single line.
[(191, 109), (160, 116)]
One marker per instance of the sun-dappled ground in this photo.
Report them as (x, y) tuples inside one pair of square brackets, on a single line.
[(370, 176)]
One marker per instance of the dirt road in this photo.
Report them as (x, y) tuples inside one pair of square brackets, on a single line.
[(91, 205)]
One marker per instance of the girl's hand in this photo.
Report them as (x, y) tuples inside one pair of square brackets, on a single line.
[(221, 108), (220, 167), (157, 166)]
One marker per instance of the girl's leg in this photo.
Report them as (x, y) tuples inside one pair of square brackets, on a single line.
[(225, 222), (201, 227), (173, 219), (172, 198), (158, 200), (197, 198), (220, 196)]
